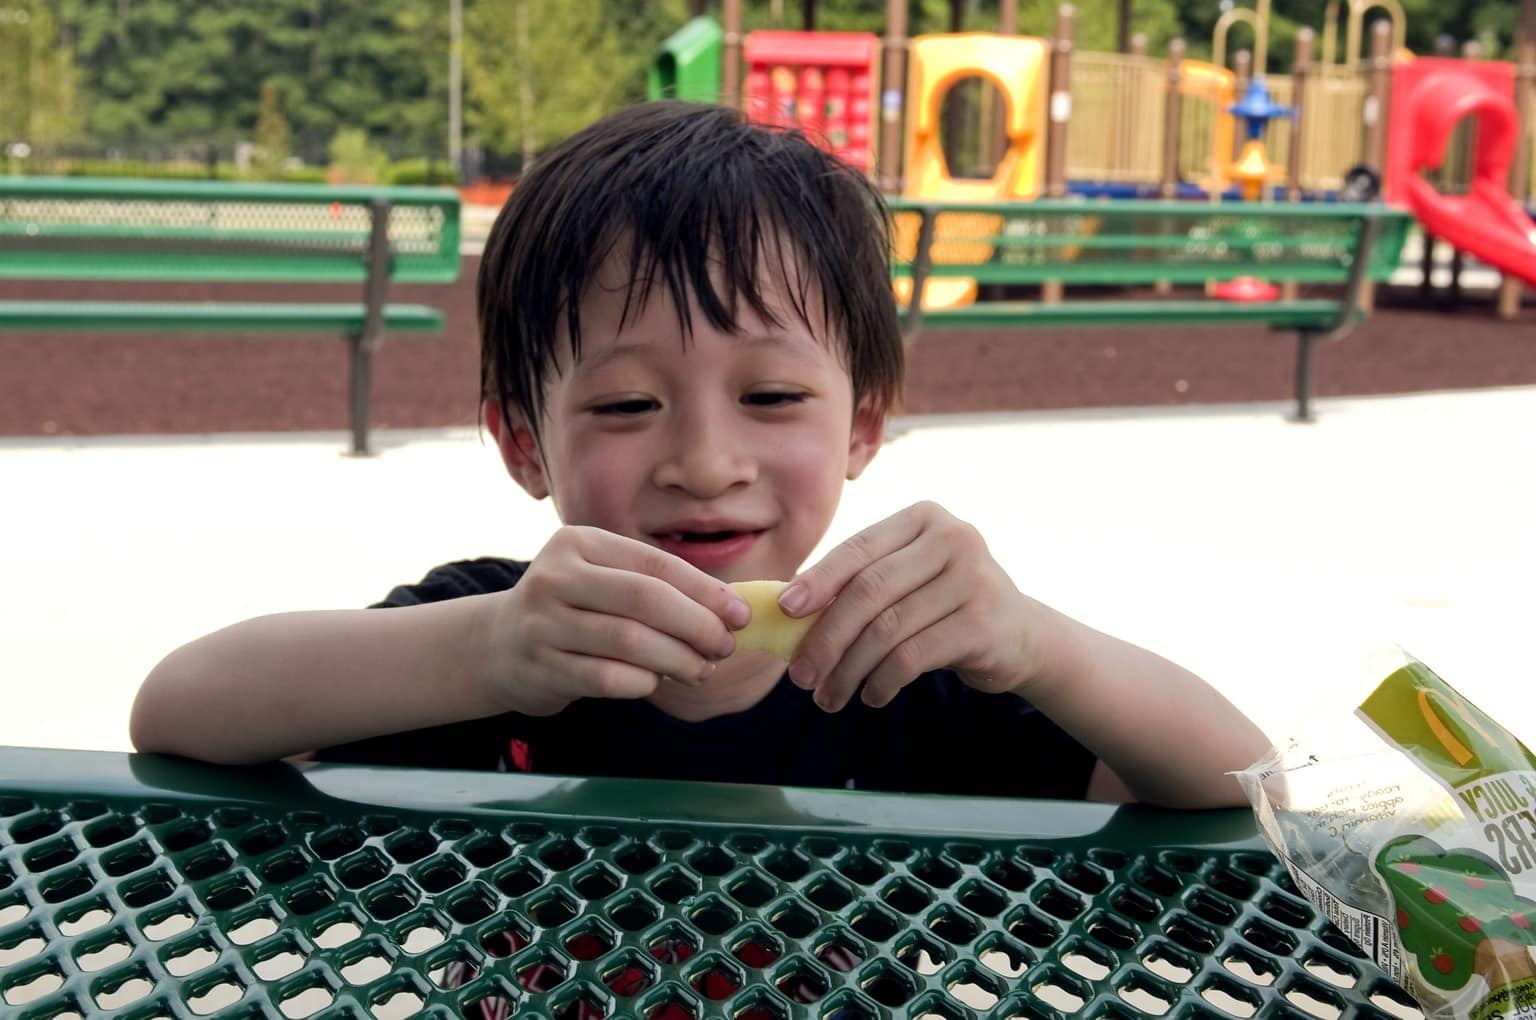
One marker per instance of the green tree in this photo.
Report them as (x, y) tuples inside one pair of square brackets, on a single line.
[(53, 87), (177, 72), (420, 110), (273, 135), (354, 160), (1491, 22), (39, 82), (381, 66), (1096, 19), (184, 74), (640, 26), (563, 80)]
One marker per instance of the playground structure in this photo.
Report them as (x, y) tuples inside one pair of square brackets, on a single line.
[(823, 83), (1118, 125), (1434, 95), (1015, 66)]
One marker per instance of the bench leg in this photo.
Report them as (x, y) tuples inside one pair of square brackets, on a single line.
[(1306, 340), (357, 403)]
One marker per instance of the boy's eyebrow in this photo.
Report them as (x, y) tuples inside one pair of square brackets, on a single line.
[(795, 343)]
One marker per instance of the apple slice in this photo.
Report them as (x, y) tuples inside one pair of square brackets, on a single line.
[(770, 630)]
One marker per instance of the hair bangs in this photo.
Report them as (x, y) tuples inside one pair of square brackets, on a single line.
[(736, 246), (694, 203)]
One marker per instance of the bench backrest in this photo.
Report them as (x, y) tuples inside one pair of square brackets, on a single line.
[(104, 229), (1144, 241)]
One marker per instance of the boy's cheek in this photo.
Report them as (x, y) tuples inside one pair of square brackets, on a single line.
[(601, 492), (813, 467)]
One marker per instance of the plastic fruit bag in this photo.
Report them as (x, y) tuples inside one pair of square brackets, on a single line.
[(1411, 823)]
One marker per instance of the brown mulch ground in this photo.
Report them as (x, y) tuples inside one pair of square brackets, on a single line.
[(72, 384)]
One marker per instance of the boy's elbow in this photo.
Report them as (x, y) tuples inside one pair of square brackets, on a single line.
[(157, 723), (1202, 792), (175, 713), (148, 729), (1205, 793), (141, 717), (153, 731)]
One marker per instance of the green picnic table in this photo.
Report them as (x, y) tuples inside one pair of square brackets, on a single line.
[(143, 886)]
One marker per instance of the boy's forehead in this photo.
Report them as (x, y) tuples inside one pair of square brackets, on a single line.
[(621, 309), (641, 270), (646, 344)]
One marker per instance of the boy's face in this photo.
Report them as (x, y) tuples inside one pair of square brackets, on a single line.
[(730, 452)]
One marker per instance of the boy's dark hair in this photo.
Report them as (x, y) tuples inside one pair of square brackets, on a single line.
[(686, 189)]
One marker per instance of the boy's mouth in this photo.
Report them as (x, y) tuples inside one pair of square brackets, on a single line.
[(701, 536), (708, 550)]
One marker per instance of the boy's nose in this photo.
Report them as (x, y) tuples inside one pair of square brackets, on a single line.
[(704, 461)]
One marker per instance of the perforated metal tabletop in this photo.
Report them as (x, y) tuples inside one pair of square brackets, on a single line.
[(141, 887)]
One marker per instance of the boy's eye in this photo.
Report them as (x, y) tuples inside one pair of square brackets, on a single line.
[(637, 405), (772, 399)]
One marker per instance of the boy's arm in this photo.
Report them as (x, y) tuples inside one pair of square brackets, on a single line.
[(594, 615), (920, 591), (1158, 729), (279, 685)]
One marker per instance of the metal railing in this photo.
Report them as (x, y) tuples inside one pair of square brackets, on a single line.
[(1117, 122), (1332, 128), (1205, 127)]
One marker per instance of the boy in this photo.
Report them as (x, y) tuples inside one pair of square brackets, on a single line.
[(689, 343)]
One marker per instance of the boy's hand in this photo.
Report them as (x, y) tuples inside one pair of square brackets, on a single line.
[(598, 615), (919, 591)]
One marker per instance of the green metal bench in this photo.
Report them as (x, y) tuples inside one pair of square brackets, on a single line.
[(141, 886), (1139, 243), (87, 230)]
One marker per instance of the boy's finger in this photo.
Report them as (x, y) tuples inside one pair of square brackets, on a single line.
[(926, 606), (593, 677), (872, 602), (655, 603), (630, 641), (709, 592), (933, 648), (816, 587)]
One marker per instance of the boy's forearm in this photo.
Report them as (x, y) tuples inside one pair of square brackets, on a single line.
[(1165, 732), (279, 685)]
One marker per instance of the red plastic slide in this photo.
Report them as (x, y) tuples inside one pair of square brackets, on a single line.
[(1430, 96), (1486, 222)]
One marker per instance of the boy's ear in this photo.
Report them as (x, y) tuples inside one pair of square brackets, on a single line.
[(518, 452), (868, 434)]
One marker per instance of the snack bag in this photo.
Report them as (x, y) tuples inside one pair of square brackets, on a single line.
[(1411, 823)]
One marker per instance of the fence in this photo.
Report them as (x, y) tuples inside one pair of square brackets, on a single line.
[(1117, 122), (1332, 128)]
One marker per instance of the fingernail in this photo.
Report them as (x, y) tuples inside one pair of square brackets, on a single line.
[(707, 672), (802, 674), (792, 599), (728, 649), (738, 614)]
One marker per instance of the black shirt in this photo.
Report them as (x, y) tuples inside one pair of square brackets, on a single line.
[(937, 736)]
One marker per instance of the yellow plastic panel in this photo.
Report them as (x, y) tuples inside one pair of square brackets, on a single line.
[(1017, 66)]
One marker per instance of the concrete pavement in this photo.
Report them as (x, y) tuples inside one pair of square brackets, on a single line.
[(1272, 558)]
